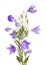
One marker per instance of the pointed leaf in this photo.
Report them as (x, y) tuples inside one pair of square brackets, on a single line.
[(26, 59), (19, 59)]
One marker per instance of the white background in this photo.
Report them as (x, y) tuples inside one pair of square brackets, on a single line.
[(38, 42)]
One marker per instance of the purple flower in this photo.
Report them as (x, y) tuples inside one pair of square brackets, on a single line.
[(17, 24), (7, 29), (12, 49), (10, 18), (36, 30), (24, 45), (31, 9), (13, 34), (29, 51)]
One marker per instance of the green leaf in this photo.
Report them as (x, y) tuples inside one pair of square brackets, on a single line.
[(26, 59), (15, 20), (19, 59), (22, 29), (27, 21), (25, 53), (26, 16), (21, 16), (26, 33), (17, 41), (20, 34)]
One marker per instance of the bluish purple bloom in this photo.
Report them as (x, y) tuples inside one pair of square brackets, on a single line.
[(31, 9), (36, 30), (29, 51), (7, 29), (12, 49), (13, 34), (24, 45), (10, 18), (17, 24)]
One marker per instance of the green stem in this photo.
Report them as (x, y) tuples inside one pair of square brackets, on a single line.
[(21, 54), (22, 57)]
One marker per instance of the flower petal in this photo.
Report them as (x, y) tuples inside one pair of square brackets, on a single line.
[(29, 51), (31, 9), (10, 18), (7, 29), (17, 24), (12, 49), (13, 35), (24, 45), (36, 30)]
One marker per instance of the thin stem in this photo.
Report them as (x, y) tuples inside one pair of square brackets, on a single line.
[(22, 57)]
